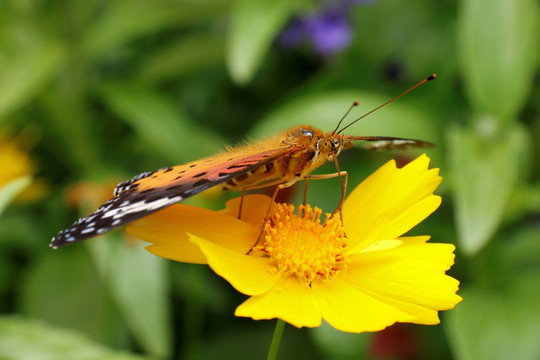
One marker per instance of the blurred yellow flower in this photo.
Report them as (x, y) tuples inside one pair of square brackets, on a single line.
[(361, 275), (15, 162), (16, 174)]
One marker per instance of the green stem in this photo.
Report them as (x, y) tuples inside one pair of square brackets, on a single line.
[(272, 353)]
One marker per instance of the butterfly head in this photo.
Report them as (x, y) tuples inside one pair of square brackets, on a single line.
[(330, 145), (326, 145)]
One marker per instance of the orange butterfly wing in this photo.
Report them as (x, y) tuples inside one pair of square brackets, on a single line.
[(151, 191)]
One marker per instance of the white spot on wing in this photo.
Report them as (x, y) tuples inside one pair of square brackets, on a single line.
[(87, 230), (140, 206), (389, 144)]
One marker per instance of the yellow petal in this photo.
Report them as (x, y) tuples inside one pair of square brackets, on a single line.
[(167, 229), (290, 300), (383, 245), (348, 308), (390, 202), (410, 278), (182, 251), (248, 274), (254, 208)]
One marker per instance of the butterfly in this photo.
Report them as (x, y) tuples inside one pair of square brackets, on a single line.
[(280, 160)]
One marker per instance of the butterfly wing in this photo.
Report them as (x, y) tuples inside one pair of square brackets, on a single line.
[(388, 143), (151, 191)]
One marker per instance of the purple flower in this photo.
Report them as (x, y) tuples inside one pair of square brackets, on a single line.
[(293, 34), (357, 2), (328, 30)]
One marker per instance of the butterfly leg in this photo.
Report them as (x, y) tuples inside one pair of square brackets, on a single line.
[(305, 191), (305, 196), (267, 216), (241, 203), (343, 183), (343, 179)]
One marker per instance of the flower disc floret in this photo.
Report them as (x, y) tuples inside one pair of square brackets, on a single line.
[(300, 246)]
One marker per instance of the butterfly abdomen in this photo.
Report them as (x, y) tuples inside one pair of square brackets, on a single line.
[(260, 175)]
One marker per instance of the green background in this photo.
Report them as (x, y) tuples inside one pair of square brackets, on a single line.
[(108, 89)]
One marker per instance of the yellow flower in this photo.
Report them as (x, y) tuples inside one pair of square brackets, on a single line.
[(361, 275), (15, 162), (16, 182)]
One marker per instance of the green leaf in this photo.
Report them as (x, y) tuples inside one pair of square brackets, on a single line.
[(123, 21), (255, 25), (524, 200), (253, 343), (337, 344), (520, 251), (137, 281), (484, 175), (324, 110), (25, 74), (157, 120), (500, 323), (10, 190), (22, 339), (70, 121), (498, 49), (190, 54), (63, 288)]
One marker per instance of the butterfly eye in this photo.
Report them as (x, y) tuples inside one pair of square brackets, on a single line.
[(325, 145), (307, 133)]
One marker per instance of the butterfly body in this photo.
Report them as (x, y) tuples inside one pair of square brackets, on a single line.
[(305, 148)]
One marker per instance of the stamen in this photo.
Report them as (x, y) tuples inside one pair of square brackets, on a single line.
[(299, 245)]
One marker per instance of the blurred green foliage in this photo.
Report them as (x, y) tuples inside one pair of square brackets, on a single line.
[(103, 90)]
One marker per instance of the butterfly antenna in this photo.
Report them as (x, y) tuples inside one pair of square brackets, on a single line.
[(429, 78), (355, 103)]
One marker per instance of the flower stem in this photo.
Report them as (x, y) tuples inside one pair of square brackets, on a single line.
[(272, 353)]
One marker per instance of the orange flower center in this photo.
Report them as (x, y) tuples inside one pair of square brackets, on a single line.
[(299, 245)]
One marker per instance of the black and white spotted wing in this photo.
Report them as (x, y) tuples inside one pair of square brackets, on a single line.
[(388, 143), (151, 191)]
